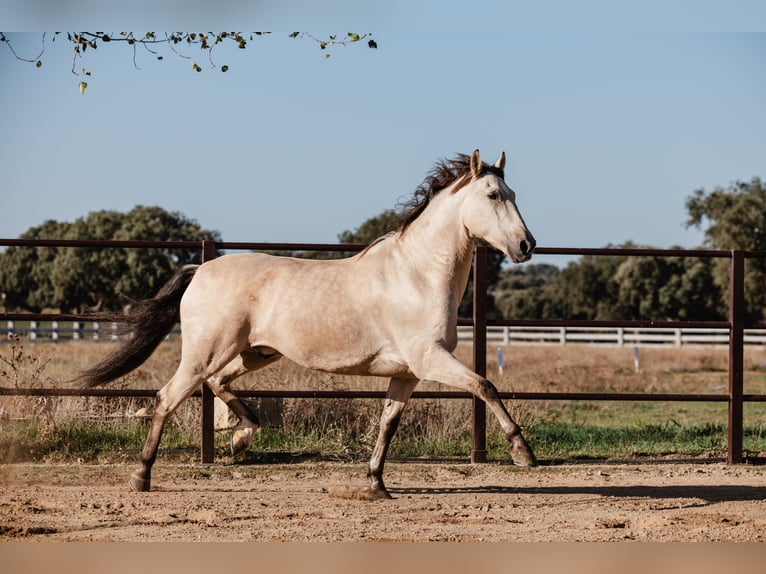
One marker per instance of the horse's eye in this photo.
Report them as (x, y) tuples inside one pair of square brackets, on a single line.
[(494, 195)]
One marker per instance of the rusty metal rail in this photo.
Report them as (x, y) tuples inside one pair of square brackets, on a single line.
[(359, 394), (735, 396)]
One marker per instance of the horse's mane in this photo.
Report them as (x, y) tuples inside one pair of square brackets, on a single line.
[(441, 176)]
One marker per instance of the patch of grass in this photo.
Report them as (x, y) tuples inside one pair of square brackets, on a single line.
[(96, 441), (269, 440), (558, 440), (458, 445), (86, 441)]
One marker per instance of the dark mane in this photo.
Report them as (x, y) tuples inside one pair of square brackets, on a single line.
[(441, 176)]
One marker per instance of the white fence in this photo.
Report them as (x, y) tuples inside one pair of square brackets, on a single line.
[(617, 336), (60, 330)]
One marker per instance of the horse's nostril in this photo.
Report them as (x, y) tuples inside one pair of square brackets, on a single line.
[(527, 246)]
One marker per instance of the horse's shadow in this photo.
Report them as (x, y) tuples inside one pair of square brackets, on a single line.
[(709, 493)]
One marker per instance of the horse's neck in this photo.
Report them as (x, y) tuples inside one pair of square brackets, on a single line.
[(439, 247)]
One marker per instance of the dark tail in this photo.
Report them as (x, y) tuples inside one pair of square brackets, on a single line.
[(149, 321)]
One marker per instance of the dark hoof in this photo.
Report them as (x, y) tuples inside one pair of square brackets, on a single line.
[(138, 483)]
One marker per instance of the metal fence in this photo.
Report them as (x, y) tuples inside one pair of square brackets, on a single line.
[(733, 331)]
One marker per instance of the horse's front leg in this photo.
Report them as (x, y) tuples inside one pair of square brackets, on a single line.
[(399, 392), (441, 366), (249, 360)]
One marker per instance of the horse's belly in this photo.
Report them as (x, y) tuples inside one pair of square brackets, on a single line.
[(389, 366), (355, 353), (378, 365)]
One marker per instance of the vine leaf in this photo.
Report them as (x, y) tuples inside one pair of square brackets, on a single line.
[(206, 41)]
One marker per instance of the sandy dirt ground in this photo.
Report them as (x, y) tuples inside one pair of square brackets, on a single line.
[(667, 501)]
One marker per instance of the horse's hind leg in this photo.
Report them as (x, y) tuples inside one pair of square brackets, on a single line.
[(180, 387), (248, 360)]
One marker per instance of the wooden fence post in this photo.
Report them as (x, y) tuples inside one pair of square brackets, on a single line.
[(208, 399), (479, 431)]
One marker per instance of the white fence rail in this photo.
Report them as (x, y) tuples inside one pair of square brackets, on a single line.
[(615, 336), (52, 331)]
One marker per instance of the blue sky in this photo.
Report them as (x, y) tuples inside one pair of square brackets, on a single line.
[(610, 120)]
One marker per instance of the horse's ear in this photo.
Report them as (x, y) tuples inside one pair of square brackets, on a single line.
[(500, 163), (475, 163)]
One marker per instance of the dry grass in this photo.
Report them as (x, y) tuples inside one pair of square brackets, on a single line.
[(576, 368)]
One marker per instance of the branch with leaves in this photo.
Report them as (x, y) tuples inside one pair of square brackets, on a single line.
[(177, 42)]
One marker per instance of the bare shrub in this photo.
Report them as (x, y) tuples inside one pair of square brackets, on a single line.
[(27, 370)]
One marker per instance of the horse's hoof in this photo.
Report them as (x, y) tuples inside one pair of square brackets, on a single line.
[(522, 455), (139, 484), (378, 494), (240, 441)]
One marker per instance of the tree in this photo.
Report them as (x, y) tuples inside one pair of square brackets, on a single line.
[(585, 289), (25, 272), (76, 278), (175, 42), (735, 218), (667, 288), (528, 292)]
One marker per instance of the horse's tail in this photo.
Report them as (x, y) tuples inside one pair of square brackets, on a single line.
[(149, 322)]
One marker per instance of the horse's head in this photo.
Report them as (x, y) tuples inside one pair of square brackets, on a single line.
[(489, 211)]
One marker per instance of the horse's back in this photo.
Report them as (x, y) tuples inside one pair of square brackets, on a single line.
[(324, 314)]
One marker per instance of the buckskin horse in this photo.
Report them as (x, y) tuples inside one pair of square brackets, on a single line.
[(389, 311)]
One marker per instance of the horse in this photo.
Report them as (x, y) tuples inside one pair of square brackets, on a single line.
[(390, 310)]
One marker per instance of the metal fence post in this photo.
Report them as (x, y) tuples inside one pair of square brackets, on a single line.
[(736, 354), (207, 441), (479, 442)]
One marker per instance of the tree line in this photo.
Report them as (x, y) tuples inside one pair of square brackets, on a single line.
[(653, 287), (75, 279)]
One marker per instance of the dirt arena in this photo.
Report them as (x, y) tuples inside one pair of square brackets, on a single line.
[(444, 501)]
